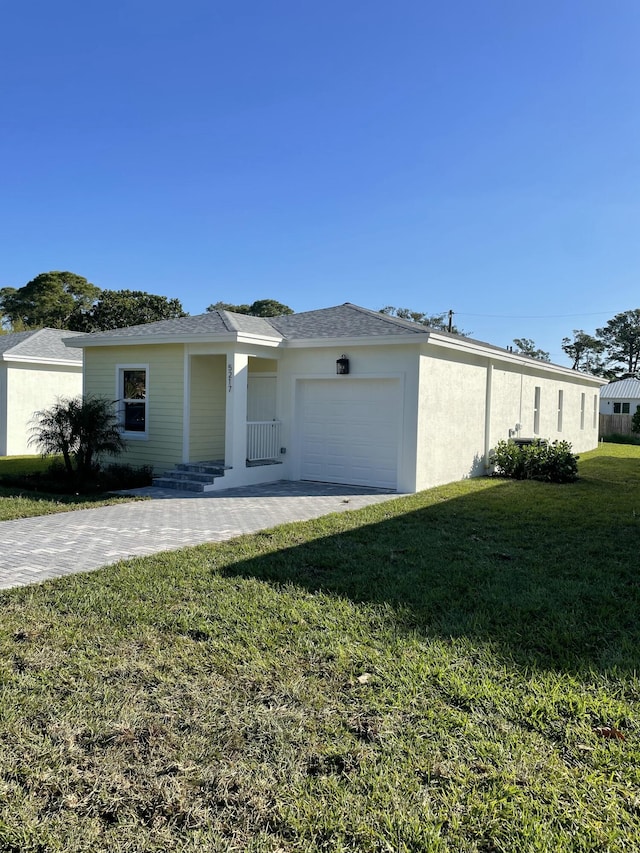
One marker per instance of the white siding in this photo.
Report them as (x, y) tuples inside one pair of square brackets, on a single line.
[(31, 388)]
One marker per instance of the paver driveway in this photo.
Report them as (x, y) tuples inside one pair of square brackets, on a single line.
[(49, 546)]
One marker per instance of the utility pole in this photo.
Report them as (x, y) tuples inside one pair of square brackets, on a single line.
[(450, 326)]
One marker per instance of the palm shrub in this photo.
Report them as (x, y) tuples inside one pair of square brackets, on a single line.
[(80, 429), (540, 460)]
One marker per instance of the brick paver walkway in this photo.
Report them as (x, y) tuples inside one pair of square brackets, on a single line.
[(49, 546)]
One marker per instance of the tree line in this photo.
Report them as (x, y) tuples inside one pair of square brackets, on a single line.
[(65, 300)]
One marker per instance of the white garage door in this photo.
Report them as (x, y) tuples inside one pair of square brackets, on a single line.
[(350, 431)]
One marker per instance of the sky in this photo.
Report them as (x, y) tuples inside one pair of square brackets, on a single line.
[(481, 156)]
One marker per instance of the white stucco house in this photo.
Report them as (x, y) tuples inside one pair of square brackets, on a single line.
[(621, 397), (35, 369), (340, 395)]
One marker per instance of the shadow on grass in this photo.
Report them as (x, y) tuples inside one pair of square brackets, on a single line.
[(548, 574)]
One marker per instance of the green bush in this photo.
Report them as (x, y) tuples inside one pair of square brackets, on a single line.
[(553, 462), (635, 421)]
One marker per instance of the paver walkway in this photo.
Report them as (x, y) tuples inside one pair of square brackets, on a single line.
[(49, 546)]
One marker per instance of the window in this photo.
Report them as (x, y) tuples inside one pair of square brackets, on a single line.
[(536, 410), (560, 405), (621, 408), (582, 405), (132, 395), (595, 411)]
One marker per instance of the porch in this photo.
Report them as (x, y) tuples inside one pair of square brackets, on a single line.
[(231, 426)]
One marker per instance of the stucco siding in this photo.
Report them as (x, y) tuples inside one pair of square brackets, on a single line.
[(451, 418), (3, 410), (162, 447), (31, 388), (207, 414), (365, 362), (514, 402)]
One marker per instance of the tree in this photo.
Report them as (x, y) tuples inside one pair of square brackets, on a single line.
[(116, 309), (259, 308), (79, 429), (527, 347), (54, 299), (433, 321), (621, 339), (585, 351)]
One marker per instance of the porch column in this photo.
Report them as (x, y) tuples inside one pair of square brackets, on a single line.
[(235, 435)]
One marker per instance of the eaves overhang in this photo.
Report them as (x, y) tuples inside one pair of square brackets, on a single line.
[(479, 348), (145, 340), (26, 359)]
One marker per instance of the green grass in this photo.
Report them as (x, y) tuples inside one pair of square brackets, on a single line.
[(16, 502), (430, 674)]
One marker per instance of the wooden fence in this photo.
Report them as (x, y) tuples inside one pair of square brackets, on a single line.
[(615, 424)]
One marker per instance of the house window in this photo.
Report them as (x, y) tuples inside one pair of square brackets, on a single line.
[(536, 410), (582, 405), (560, 406), (595, 411), (132, 394), (621, 408)]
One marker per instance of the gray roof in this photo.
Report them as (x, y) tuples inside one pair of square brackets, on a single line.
[(210, 324), (343, 321), (346, 321), (42, 344), (622, 389)]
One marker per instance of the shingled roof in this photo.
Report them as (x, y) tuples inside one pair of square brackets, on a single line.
[(341, 321), (41, 345)]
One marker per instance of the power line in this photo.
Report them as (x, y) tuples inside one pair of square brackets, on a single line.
[(531, 317)]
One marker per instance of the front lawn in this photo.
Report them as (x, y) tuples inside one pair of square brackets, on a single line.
[(19, 502), (452, 671)]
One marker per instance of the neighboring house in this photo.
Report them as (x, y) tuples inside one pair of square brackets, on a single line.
[(621, 397), (36, 368), (340, 395)]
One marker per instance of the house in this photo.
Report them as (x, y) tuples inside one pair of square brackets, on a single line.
[(621, 397), (36, 368), (340, 395)]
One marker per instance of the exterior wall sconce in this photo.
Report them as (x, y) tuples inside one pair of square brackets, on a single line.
[(342, 365)]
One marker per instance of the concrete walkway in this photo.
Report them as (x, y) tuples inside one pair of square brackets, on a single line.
[(49, 546)]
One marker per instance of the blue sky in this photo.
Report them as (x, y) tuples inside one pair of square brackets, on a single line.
[(478, 155)]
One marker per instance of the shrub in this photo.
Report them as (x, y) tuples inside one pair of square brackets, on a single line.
[(80, 429), (554, 462), (635, 421)]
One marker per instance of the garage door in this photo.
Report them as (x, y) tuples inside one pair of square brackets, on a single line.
[(350, 431)]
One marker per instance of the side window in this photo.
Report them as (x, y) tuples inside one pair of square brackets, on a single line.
[(560, 407), (132, 396), (617, 408), (595, 411), (582, 405), (625, 408), (536, 410)]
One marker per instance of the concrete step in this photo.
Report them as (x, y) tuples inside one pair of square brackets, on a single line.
[(190, 476), (196, 476), (177, 485), (212, 468)]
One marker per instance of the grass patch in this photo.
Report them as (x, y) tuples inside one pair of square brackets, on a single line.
[(621, 438), (17, 501), (436, 673)]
